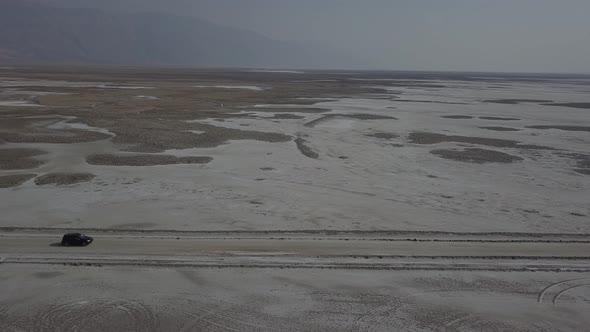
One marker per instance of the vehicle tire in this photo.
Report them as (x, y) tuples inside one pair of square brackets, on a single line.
[(66, 244), (84, 244)]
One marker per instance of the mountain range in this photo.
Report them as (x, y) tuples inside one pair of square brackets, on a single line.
[(33, 33)]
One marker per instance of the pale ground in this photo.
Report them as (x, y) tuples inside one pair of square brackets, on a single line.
[(447, 272), (58, 298), (383, 184), (244, 87)]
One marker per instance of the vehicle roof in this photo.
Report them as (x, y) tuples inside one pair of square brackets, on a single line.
[(72, 234)]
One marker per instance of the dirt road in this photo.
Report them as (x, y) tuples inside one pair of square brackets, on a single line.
[(318, 251)]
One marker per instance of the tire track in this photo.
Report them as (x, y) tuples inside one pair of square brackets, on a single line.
[(82, 314), (558, 295), (558, 285), (208, 316), (457, 321), (401, 266), (44, 230)]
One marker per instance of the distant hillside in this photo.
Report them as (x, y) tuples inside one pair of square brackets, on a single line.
[(32, 33)]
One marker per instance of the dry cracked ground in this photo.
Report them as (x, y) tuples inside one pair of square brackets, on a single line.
[(260, 151)]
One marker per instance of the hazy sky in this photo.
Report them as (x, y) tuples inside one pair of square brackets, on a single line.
[(473, 35)]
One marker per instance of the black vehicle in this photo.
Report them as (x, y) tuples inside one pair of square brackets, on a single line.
[(76, 239)]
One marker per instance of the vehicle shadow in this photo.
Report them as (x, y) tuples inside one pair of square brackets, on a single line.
[(56, 244)]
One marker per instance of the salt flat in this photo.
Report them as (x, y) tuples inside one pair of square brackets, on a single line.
[(358, 180), (144, 299), (327, 201)]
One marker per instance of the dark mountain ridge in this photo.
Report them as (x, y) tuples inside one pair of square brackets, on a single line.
[(39, 34)]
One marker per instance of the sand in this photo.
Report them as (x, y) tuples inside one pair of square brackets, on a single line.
[(566, 128), (386, 136), (431, 138), (349, 116), (143, 160), (429, 102), (572, 105), (582, 162), (34, 135), (38, 298), (457, 117), (9, 181), (500, 128), (305, 149), (63, 179), (17, 103), (288, 116), (357, 182), (497, 118), (171, 136), (292, 109), (370, 235), (238, 87), (517, 101), (478, 156), (20, 158)]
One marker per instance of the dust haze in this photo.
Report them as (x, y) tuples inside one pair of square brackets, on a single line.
[(455, 35)]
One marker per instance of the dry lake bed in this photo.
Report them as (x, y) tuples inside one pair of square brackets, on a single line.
[(298, 201)]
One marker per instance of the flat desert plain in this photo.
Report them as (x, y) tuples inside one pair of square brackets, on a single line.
[(240, 200)]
